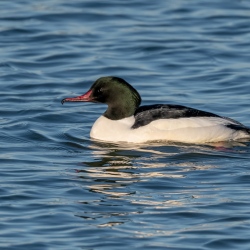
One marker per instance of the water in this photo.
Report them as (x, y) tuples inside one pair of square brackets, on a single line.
[(61, 190)]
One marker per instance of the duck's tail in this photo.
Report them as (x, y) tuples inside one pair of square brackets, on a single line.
[(239, 127)]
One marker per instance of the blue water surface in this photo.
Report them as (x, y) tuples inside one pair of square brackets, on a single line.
[(61, 190)]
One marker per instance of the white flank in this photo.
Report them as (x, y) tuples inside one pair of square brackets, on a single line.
[(190, 130)]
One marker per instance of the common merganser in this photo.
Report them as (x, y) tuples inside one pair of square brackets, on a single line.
[(125, 121)]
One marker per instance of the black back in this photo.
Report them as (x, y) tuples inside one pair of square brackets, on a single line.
[(146, 114)]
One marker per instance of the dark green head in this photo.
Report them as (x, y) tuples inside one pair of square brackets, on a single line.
[(122, 99)]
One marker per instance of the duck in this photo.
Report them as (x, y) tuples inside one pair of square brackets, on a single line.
[(126, 121)]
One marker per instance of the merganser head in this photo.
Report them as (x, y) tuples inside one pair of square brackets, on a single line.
[(122, 99)]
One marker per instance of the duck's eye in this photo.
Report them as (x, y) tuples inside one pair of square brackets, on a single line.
[(99, 91)]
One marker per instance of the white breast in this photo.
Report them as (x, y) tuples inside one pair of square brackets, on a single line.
[(112, 130), (190, 130)]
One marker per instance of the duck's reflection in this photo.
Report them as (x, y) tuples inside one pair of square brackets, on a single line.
[(116, 166), (127, 180)]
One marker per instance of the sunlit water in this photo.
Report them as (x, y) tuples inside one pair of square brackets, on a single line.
[(61, 190)]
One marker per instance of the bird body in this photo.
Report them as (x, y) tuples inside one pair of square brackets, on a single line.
[(126, 121)]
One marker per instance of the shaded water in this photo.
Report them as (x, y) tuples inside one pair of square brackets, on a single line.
[(61, 190)]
